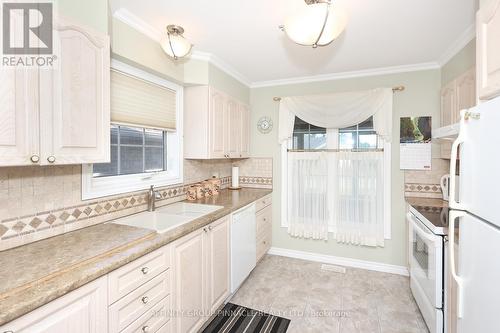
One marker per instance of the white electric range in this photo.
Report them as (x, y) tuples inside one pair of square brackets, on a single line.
[(428, 227)]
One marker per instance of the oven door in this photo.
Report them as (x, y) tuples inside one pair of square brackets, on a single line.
[(426, 262)]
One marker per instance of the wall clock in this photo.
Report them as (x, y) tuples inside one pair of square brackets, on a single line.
[(265, 125)]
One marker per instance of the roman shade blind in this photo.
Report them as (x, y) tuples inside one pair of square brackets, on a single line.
[(135, 101)]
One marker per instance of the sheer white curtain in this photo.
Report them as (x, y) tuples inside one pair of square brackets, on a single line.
[(308, 195), (357, 198)]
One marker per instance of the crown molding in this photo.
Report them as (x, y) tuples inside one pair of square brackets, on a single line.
[(222, 65), (455, 47), (348, 75), (140, 25)]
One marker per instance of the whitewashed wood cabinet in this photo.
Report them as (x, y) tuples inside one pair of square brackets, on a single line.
[(215, 125), (218, 261), (457, 95), (59, 115), (488, 50), (81, 311), (201, 265), (263, 220)]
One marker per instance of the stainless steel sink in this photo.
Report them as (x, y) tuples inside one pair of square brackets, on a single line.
[(168, 217)]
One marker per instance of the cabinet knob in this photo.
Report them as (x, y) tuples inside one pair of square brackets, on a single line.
[(51, 159), (145, 329), (34, 159), (205, 229), (210, 227), (145, 299), (145, 270), (8, 332)]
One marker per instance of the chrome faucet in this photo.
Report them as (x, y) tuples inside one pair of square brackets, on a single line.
[(152, 197)]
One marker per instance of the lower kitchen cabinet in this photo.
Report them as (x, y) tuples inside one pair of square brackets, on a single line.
[(201, 265), (84, 310), (218, 270)]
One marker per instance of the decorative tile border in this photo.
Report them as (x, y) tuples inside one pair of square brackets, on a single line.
[(261, 182), (423, 190), (51, 223)]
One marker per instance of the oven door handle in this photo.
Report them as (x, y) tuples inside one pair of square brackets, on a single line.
[(416, 225), (454, 214)]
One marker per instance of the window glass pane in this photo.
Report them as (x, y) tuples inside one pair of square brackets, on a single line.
[(153, 137), (114, 135), (367, 124), (130, 160), (317, 141), (131, 135), (300, 125), (352, 128), (315, 129), (299, 141), (347, 140), (153, 159), (367, 140), (108, 169)]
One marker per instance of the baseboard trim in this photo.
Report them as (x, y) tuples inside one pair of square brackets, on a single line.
[(342, 261)]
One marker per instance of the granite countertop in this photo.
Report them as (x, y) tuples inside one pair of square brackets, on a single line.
[(429, 202), (37, 273)]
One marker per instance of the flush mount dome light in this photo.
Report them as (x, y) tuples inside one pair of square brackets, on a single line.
[(318, 24), (174, 44)]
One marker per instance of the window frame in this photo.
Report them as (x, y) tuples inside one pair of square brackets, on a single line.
[(112, 185), (333, 142)]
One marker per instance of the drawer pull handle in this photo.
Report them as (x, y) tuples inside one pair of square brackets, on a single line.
[(145, 299), (145, 329), (265, 219), (51, 159), (34, 159), (145, 270)]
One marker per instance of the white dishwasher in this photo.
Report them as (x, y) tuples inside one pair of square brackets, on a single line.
[(243, 245)]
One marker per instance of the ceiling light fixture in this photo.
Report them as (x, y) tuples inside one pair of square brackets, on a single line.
[(319, 24), (174, 44)]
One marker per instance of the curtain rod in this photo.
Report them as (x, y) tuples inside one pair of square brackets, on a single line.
[(395, 89), (359, 150)]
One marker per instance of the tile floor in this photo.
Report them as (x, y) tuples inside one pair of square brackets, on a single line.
[(328, 302)]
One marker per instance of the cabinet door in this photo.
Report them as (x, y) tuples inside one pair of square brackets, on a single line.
[(233, 130), (19, 125), (488, 50), (217, 127), (218, 263), (189, 294), (81, 311), (74, 98), (448, 103), (466, 93), (245, 131)]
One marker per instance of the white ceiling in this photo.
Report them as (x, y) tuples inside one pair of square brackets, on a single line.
[(244, 34)]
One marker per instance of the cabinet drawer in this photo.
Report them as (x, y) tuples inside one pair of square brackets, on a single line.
[(129, 308), (153, 320), (135, 274), (263, 202), (263, 245), (167, 328), (263, 219)]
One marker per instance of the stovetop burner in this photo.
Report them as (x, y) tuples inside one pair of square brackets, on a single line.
[(435, 218)]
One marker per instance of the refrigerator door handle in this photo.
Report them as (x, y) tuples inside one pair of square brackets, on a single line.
[(453, 165), (454, 214)]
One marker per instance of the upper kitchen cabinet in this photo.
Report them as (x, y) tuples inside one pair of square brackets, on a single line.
[(215, 125), (488, 50), (19, 125), (74, 98), (61, 114)]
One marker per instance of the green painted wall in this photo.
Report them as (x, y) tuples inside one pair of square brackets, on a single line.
[(226, 83), (421, 97), (460, 63), (92, 13)]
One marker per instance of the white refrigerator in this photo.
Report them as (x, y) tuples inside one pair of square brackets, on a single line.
[(476, 270)]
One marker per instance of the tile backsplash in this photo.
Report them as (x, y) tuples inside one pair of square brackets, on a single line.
[(426, 184), (40, 202)]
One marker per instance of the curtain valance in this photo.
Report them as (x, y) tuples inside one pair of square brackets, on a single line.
[(338, 110)]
